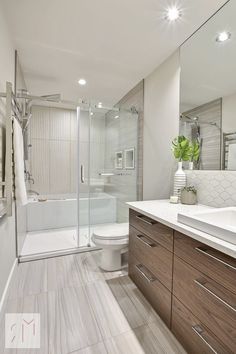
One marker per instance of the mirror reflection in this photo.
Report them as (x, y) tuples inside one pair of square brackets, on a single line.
[(208, 91)]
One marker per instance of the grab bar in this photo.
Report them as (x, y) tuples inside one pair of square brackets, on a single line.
[(82, 174), (106, 174)]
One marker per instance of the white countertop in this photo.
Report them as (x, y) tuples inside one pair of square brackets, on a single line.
[(166, 213)]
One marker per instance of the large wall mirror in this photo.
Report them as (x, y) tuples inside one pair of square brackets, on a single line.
[(2, 156), (208, 90)]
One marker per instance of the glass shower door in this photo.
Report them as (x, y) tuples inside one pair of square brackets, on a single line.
[(107, 169), (83, 180), (113, 166)]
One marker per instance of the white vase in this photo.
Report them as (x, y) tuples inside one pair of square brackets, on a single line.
[(180, 179), (190, 165)]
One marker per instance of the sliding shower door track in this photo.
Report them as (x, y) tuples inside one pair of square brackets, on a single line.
[(45, 255)]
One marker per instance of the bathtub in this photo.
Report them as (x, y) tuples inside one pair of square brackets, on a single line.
[(46, 212)]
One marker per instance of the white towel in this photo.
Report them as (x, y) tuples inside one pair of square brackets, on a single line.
[(20, 191), (232, 157)]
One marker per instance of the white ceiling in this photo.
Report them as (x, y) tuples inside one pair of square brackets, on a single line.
[(207, 67), (112, 44)]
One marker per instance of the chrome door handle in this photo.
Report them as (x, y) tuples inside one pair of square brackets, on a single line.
[(141, 217), (146, 241), (214, 295), (82, 179), (150, 279), (199, 331), (198, 249)]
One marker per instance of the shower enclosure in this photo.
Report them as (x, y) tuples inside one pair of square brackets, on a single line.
[(81, 169)]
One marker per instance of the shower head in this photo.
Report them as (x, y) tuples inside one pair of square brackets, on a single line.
[(49, 98), (134, 110)]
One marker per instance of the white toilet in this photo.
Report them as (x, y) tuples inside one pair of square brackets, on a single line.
[(113, 239)]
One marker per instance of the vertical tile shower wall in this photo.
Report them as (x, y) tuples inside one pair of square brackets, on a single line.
[(53, 155), (52, 159)]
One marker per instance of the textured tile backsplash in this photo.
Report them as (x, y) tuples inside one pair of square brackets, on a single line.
[(215, 188)]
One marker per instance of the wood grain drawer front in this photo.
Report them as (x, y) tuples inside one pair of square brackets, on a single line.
[(192, 334), (158, 296), (151, 254), (213, 304), (159, 232), (213, 263)]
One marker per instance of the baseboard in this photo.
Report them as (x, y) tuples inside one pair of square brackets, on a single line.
[(5, 292)]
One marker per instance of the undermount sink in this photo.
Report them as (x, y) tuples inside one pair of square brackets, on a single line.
[(220, 222)]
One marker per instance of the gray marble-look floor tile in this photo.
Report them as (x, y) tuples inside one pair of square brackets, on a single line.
[(63, 272), (137, 309), (52, 274), (67, 320), (94, 349), (72, 322), (85, 310), (89, 265), (29, 278), (111, 319), (29, 304), (166, 339), (139, 341)]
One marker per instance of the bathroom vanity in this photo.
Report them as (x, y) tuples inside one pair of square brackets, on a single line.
[(188, 276)]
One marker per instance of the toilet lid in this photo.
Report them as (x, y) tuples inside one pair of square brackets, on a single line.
[(112, 232)]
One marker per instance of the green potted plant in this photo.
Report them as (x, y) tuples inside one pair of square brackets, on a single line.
[(180, 148), (189, 195), (194, 153)]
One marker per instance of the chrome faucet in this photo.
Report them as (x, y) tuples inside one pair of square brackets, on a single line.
[(28, 177)]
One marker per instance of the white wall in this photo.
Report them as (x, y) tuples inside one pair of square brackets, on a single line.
[(161, 125), (7, 226)]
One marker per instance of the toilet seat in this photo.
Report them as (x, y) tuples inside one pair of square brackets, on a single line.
[(116, 232)]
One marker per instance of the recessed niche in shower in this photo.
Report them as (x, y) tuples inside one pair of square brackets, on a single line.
[(129, 159), (119, 160)]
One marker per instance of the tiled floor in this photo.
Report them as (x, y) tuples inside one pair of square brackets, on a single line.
[(85, 310)]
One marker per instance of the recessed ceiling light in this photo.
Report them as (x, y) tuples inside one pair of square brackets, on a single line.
[(223, 36), (82, 82), (99, 104), (173, 13), (91, 113), (116, 117)]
